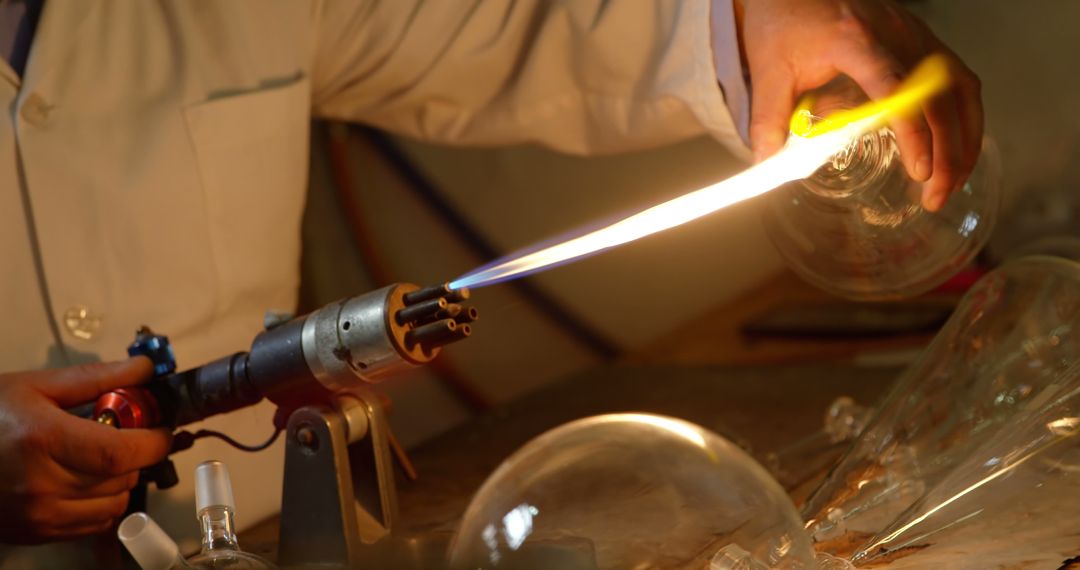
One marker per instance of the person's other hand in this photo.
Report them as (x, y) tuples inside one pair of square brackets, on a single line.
[(793, 46), (62, 476)]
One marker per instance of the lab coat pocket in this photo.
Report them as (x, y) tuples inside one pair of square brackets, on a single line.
[(252, 151)]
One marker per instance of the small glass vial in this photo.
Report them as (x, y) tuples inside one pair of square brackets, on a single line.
[(151, 548), (856, 228), (216, 509)]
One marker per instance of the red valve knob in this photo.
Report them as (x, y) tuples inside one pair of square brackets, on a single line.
[(128, 408)]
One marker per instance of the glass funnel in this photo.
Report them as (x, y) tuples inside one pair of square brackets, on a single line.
[(977, 441), (856, 228), (631, 491)]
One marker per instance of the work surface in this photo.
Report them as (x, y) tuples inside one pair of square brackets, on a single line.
[(710, 373), (763, 407)]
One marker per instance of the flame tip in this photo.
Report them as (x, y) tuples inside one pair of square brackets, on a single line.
[(927, 79)]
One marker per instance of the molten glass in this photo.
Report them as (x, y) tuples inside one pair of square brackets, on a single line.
[(973, 460)]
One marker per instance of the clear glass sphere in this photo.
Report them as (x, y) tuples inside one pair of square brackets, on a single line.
[(857, 229), (630, 491)]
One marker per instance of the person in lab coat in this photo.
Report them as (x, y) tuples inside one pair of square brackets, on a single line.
[(153, 163)]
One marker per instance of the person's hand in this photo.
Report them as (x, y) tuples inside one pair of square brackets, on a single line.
[(62, 476), (793, 46)]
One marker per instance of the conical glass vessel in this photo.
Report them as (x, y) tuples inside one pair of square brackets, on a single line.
[(975, 453), (857, 228)]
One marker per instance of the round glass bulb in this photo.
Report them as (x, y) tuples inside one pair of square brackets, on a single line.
[(856, 228), (631, 491)]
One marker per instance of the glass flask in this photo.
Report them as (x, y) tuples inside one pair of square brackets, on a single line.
[(151, 548), (630, 491), (856, 228), (977, 443), (216, 509)]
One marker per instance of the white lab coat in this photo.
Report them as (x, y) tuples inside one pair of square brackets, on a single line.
[(153, 159)]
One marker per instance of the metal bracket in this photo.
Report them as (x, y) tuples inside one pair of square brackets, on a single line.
[(339, 494)]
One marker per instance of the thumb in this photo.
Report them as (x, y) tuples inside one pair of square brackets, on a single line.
[(80, 384), (773, 103)]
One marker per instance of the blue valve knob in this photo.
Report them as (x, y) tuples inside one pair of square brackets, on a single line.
[(155, 347)]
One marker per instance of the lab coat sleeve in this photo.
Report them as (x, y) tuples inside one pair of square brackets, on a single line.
[(579, 76), (733, 78)]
